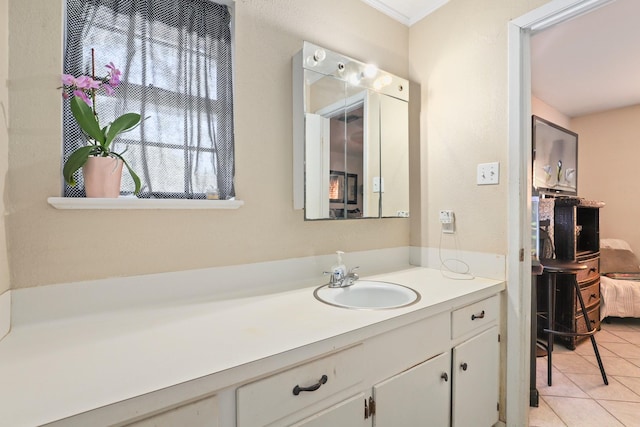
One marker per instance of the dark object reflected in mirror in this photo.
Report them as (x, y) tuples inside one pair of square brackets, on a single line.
[(336, 187), (341, 188)]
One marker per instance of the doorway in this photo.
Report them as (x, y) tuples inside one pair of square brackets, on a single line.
[(519, 190)]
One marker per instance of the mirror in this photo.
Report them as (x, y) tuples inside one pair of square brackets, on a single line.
[(351, 138)]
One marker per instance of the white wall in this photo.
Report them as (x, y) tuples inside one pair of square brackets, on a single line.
[(52, 246), (608, 153)]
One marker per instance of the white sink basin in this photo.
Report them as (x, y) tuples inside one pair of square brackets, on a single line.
[(368, 294)]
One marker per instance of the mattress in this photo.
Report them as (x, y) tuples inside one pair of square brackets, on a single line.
[(620, 290)]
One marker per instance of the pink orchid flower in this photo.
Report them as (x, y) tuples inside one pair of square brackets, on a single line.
[(108, 89), (82, 95), (68, 80), (86, 82), (114, 75)]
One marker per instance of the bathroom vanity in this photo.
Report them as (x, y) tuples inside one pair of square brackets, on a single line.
[(278, 359)]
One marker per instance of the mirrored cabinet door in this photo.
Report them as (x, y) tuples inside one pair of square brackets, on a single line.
[(353, 141), (394, 167), (325, 104)]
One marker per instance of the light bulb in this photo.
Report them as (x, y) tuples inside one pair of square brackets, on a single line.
[(370, 71), (319, 55)]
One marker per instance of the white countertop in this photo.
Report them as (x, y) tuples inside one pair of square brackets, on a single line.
[(49, 371)]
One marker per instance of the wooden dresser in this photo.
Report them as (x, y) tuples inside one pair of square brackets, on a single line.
[(577, 237)]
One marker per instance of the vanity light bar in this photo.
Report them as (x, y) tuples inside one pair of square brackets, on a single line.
[(356, 73)]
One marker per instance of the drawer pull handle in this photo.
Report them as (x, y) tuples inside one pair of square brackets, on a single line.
[(477, 316), (593, 270), (297, 389), (592, 296), (445, 377), (464, 366)]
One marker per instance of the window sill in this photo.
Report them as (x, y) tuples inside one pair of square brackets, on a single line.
[(133, 203)]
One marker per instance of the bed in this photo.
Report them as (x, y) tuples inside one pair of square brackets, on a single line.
[(619, 280)]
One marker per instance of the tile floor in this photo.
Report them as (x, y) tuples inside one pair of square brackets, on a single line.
[(578, 397)]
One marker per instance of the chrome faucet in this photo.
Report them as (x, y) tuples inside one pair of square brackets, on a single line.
[(339, 279)]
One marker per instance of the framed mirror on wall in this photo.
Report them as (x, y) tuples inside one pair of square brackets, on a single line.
[(350, 118)]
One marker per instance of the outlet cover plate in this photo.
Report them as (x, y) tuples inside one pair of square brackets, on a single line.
[(446, 217)]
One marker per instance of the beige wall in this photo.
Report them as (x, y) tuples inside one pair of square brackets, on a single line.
[(53, 246), (4, 140), (608, 154), (547, 112), (458, 55)]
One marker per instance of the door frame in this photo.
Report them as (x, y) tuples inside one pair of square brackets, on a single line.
[(518, 314)]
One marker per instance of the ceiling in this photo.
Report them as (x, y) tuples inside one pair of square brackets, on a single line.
[(588, 64), (406, 11)]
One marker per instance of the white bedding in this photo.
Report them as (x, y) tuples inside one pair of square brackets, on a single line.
[(620, 298)]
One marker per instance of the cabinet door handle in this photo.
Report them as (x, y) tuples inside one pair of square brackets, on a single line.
[(445, 377), (297, 389), (477, 316), (464, 366)]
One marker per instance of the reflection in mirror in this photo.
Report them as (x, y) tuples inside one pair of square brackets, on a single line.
[(350, 138)]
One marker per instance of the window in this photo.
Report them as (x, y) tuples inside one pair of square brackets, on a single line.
[(175, 58)]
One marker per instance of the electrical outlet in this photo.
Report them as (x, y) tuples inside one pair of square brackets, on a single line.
[(447, 219), (488, 173)]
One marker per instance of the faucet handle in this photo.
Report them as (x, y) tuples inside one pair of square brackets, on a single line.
[(353, 276), (335, 279)]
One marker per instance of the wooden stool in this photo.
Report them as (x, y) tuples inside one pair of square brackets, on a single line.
[(551, 268)]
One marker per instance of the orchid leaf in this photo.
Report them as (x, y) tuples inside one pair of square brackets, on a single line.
[(136, 178), (76, 160), (122, 124), (86, 119)]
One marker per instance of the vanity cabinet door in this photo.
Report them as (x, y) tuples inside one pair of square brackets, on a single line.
[(416, 397), (349, 413), (475, 365)]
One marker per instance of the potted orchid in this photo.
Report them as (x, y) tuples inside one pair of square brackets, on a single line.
[(82, 93)]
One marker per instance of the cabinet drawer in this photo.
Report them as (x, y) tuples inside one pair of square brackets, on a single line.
[(270, 399), (594, 317), (592, 271), (203, 413), (474, 316), (590, 293)]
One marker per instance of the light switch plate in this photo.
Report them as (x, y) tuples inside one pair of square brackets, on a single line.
[(488, 173)]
